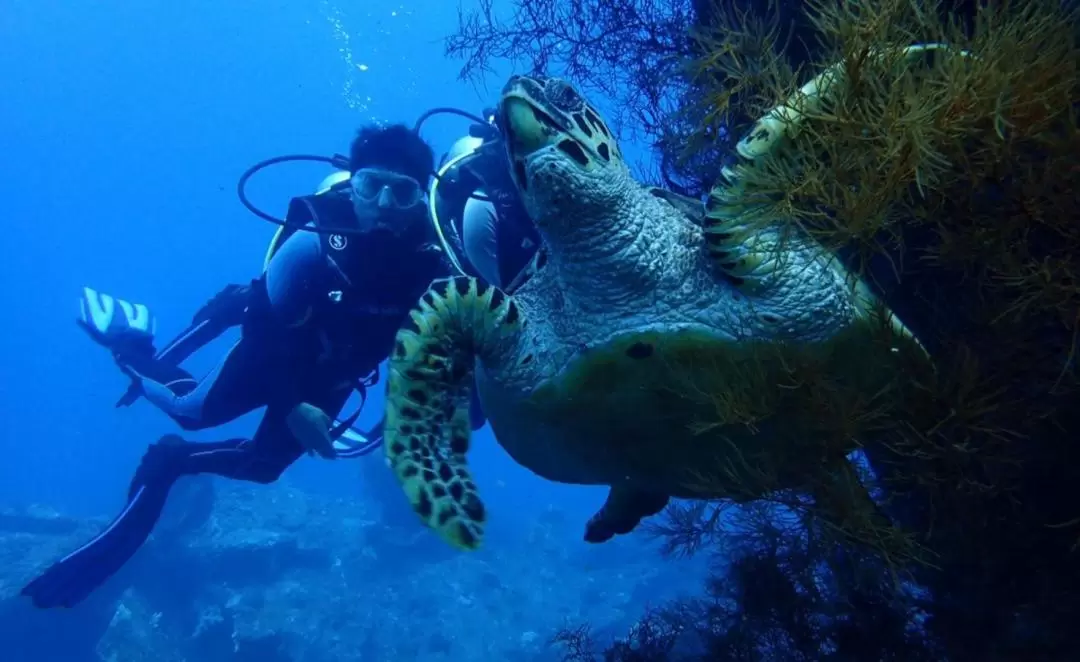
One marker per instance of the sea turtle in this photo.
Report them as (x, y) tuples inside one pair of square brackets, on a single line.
[(660, 347)]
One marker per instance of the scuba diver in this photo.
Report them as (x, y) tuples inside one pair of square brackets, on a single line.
[(342, 273), (477, 210)]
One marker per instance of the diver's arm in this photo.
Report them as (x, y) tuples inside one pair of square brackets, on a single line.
[(290, 274), (225, 310), (294, 276)]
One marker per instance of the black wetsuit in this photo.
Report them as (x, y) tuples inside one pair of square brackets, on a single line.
[(309, 335), (516, 236), (320, 318)]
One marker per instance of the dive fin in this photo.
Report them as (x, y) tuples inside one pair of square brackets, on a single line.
[(71, 579)]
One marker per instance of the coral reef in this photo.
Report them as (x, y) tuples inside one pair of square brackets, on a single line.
[(949, 180), (947, 176), (785, 593)]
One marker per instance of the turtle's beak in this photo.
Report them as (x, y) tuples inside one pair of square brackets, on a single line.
[(525, 127), (527, 135)]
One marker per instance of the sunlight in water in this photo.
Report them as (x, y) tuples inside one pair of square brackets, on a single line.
[(366, 36)]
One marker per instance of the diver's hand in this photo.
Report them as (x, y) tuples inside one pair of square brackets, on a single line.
[(311, 427), (114, 323)]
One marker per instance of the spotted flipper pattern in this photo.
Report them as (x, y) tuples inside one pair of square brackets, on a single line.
[(737, 244), (427, 429)]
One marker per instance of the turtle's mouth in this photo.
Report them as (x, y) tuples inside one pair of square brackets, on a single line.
[(530, 130)]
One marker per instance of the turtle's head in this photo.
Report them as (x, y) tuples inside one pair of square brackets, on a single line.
[(565, 160)]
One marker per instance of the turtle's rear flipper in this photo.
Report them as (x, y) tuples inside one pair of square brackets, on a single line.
[(622, 512)]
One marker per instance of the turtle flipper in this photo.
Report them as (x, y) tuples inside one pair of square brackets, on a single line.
[(736, 238), (742, 247), (623, 510), (738, 246), (428, 394), (788, 117)]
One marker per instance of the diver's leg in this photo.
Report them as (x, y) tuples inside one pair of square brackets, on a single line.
[(274, 447), (260, 460), (223, 311), (239, 384), (197, 335), (71, 579), (141, 363), (68, 581), (126, 329)]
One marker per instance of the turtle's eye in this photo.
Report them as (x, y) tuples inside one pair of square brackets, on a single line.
[(562, 96)]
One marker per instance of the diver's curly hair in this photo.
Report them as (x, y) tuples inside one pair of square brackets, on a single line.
[(395, 147)]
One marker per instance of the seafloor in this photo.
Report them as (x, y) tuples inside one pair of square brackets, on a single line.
[(273, 574)]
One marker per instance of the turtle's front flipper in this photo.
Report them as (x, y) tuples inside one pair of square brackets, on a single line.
[(624, 509), (738, 245), (428, 394), (734, 232)]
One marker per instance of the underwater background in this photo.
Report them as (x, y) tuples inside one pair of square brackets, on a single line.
[(124, 129), (125, 126)]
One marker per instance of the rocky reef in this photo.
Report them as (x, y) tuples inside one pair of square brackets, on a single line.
[(274, 574)]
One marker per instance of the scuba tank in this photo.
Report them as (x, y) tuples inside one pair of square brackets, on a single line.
[(286, 230), (475, 167)]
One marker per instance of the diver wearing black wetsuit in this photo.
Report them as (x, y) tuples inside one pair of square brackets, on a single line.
[(320, 318), (479, 208)]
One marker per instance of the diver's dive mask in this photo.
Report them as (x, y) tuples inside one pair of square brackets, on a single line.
[(385, 199)]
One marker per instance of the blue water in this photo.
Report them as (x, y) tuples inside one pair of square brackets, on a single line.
[(123, 129)]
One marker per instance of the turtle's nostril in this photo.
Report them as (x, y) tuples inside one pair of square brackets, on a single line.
[(562, 95)]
